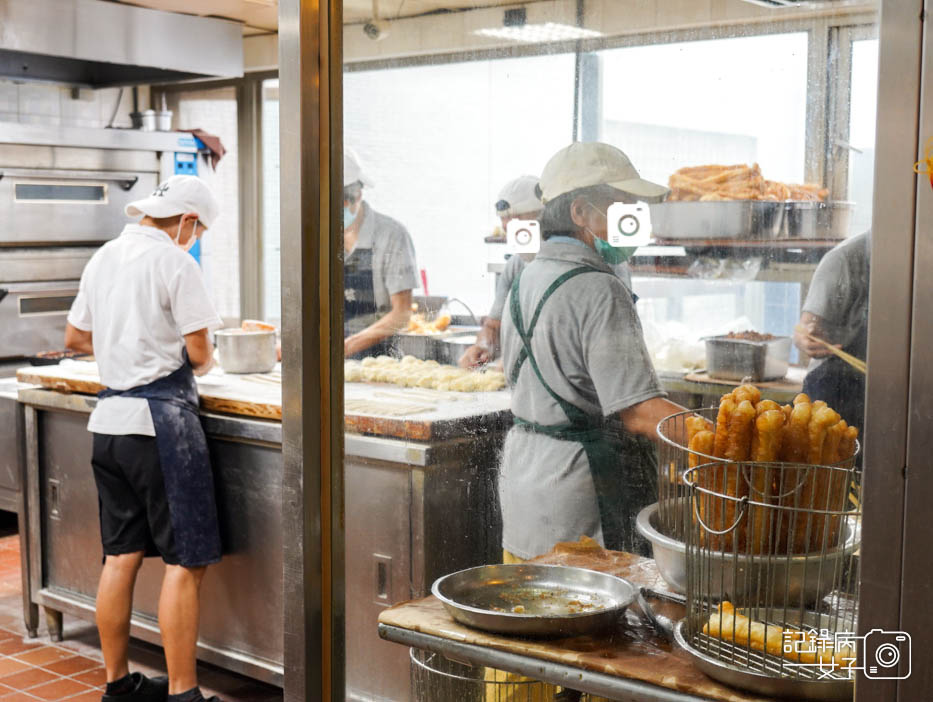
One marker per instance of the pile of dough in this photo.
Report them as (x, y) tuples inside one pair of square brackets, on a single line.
[(415, 373)]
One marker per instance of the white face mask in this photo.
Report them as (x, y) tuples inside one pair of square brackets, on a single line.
[(192, 240)]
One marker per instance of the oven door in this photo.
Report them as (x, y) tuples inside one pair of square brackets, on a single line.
[(33, 315), (46, 206)]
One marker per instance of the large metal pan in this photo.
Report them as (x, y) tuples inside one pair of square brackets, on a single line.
[(534, 600)]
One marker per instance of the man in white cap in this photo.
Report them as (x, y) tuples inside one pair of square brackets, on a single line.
[(143, 310), (518, 199), (379, 269), (585, 396)]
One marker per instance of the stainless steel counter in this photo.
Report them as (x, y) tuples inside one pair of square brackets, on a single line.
[(414, 511)]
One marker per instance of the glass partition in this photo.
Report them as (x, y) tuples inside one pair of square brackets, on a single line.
[(566, 227)]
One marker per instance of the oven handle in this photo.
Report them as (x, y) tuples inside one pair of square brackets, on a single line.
[(125, 180)]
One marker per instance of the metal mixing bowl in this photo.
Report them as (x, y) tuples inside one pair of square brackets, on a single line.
[(740, 577), (246, 351)]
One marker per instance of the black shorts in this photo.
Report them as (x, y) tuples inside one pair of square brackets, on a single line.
[(134, 510)]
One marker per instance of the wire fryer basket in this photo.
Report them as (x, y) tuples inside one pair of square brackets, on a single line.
[(772, 570)]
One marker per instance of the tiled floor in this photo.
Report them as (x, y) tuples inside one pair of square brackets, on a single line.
[(36, 669)]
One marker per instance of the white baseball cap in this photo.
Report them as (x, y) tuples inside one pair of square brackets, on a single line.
[(353, 170), (519, 196), (179, 194), (583, 165)]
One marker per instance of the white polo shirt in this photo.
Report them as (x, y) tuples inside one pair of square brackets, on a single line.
[(139, 295)]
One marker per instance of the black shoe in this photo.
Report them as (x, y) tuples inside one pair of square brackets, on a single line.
[(144, 690)]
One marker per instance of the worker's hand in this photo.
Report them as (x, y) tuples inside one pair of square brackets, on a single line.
[(475, 356), (810, 324), (278, 351)]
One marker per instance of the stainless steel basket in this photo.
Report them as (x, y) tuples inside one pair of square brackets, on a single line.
[(435, 678), (789, 517)]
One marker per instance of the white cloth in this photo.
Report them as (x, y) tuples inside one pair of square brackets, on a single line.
[(139, 295)]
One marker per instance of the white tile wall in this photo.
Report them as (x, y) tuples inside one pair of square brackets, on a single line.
[(41, 103)]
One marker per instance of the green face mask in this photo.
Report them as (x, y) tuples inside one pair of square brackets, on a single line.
[(611, 254)]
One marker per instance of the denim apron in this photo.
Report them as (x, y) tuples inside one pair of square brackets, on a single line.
[(359, 296), (185, 462), (624, 467)]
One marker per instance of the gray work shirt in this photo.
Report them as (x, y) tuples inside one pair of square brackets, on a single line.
[(514, 266), (394, 266), (589, 347), (839, 295)]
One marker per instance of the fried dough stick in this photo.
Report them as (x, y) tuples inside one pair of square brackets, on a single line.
[(766, 448), (729, 625), (711, 508), (739, 449), (816, 493)]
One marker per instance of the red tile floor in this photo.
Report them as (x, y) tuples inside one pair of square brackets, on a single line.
[(37, 669)]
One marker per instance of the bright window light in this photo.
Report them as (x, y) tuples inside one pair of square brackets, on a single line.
[(537, 33)]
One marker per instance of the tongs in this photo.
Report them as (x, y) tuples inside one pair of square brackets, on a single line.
[(664, 625)]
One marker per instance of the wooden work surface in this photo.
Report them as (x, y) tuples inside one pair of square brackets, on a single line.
[(791, 383), (380, 409), (634, 650)]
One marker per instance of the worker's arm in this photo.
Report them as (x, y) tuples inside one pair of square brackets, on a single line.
[(643, 418), (200, 351), (486, 346), (394, 320), (78, 339), (813, 324)]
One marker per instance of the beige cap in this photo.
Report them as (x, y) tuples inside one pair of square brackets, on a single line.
[(583, 165), (179, 194), (519, 196)]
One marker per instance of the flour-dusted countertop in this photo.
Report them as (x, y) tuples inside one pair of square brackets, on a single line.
[(415, 414)]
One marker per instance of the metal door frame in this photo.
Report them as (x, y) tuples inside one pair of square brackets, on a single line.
[(895, 355), (311, 176)]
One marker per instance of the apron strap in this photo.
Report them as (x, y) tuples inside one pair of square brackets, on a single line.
[(578, 418)]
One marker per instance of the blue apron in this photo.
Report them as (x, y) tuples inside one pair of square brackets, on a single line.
[(359, 295), (185, 462)]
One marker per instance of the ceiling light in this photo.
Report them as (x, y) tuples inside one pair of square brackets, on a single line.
[(537, 33)]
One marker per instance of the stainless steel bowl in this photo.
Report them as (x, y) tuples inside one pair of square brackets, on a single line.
[(796, 576), (246, 352), (452, 349), (736, 359), (552, 600)]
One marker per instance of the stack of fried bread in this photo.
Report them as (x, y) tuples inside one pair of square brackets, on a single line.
[(738, 182), (804, 647), (752, 431)]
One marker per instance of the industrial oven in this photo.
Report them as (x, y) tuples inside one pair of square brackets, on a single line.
[(62, 194)]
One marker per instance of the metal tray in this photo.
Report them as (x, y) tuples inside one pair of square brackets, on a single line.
[(724, 219), (794, 576), (816, 220), (737, 359), (557, 600), (771, 685)]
